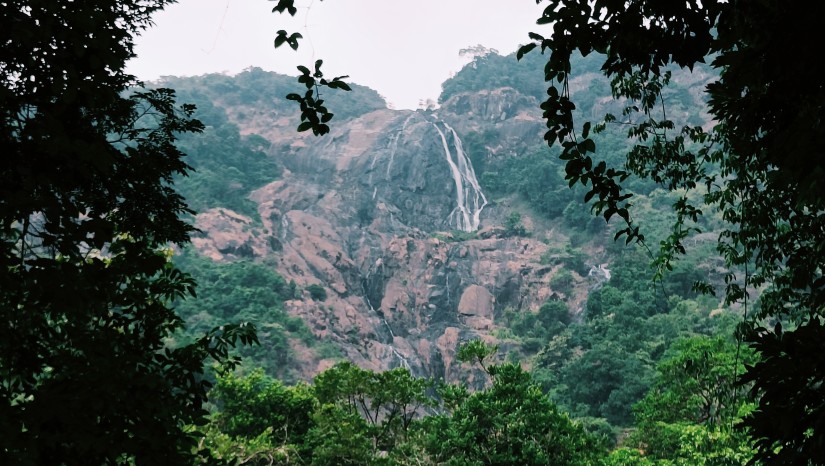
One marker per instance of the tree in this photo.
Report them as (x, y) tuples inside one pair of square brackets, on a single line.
[(317, 292), (258, 420), (510, 423), (688, 412), (387, 402), (340, 436), (759, 167), (606, 380), (513, 226), (87, 214), (696, 382), (249, 405)]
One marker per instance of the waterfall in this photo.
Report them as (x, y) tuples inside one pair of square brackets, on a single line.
[(372, 165), (389, 328), (393, 147), (401, 359), (404, 363), (284, 228), (470, 201), (601, 270), (394, 143)]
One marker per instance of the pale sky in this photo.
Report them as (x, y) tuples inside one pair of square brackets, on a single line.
[(404, 49)]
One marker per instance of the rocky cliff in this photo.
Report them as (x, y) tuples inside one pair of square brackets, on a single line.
[(373, 212)]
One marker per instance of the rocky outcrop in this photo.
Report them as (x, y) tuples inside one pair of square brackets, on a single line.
[(225, 234), (514, 119), (358, 213)]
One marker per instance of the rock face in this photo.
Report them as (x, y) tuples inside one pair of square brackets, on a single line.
[(357, 212)]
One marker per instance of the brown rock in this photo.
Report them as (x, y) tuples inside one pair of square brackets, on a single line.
[(356, 212), (447, 345), (476, 301)]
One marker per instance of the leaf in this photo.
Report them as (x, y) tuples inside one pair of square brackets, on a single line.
[(285, 5), (293, 40), (524, 50), (536, 37), (609, 213), (335, 84), (280, 38), (590, 145)]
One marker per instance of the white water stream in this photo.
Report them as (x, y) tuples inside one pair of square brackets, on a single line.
[(396, 137), (394, 143), (600, 270), (404, 363), (470, 200)]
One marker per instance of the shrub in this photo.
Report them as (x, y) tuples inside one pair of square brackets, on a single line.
[(317, 292)]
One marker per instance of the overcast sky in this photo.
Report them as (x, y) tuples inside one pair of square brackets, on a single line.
[(404, 49)]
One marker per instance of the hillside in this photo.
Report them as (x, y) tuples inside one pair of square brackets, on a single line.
[(402, 234)]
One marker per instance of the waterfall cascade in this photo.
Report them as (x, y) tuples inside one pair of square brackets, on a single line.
[(401, 359), (394, 140), (394, 143), (470, 200)]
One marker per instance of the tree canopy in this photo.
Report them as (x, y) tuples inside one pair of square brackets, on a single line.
[(759, 166), (359, 417), (87, 216)]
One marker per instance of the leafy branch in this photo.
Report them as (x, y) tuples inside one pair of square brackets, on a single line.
[(314, 114)]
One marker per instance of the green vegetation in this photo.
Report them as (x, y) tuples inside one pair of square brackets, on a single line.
[(359, 417), (255, 89), (599, 366), (258, 420), (226, 165), (317, 292), (686, 417), (539, 176), (562, 282), (87, 214), (536, 177), (513, 226), (759, 168), (569, 257), (492, 71), (244, 291), (534, 330), (694, 393), (455, 236)]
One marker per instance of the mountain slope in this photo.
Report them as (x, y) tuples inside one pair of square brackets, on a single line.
[(404, 233)]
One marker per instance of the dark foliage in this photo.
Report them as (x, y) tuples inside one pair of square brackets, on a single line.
[(86, 214), (759, 167)]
